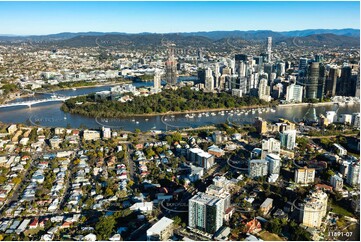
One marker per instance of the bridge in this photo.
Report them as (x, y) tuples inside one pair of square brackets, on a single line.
[(32, 102)]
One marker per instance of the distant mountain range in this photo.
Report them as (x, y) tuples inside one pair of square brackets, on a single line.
[(330, 37)]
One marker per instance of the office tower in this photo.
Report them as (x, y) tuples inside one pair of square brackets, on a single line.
[(347, 82), (242, 84), (314, 209), (240, 57), (280, 68), (200, 55), (274, 164), (226, 70), (357, 91), (277, 91), (217, 74), (259, 60), (294, 93), (288, 139), (257, 168), (171, 68), (205, 212), (222, 82), (312, 81), (305, 175), (319, 58), (269, 48), (264, 90), (268, 68), (331, 81), (336, 182), (316, 76), (353, 175), (303, 64), (157, 80), (209, 80)]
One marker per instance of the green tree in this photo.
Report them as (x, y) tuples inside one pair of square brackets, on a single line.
[(104, 227)]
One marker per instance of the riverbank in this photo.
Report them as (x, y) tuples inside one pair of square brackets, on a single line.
[(182, 112)]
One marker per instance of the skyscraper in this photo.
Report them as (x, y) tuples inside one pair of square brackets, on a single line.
[(209, 80), (294, 93), (171, 68), (264, 90), (315, 81), (157, 80), (331, 81), (269, 48), (205, 212)]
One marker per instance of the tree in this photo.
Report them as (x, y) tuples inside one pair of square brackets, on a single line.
[(104, 227)]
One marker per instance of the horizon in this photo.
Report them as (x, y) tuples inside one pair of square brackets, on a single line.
[(197, 31), (44, 18)]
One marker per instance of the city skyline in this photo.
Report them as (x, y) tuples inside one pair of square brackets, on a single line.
[(38, 18)]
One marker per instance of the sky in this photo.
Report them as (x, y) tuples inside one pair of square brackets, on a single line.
[(37, 18)]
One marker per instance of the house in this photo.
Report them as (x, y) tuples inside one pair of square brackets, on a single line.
[(253, 226)]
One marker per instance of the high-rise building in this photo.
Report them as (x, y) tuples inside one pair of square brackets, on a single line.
[(264, 90), (315, 81), (331, 81), (260, 125), (336, 182), (294, 93), (288, 139), (353, 176), (270, 146), (157, 80), (257, 168), (319, 58), (305, 175), (347, 82), (269, 48), (209, 80), (280, 68), (205, 212), (303, 64), (274, 164), (314, 209), (171, 68)]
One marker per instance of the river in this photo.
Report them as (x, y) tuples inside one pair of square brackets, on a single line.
[(50, 115)]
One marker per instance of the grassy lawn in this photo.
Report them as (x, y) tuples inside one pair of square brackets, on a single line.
[(340, 210), (267, 236)]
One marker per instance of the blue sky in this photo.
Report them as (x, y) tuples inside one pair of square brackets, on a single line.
[(133, 17)]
